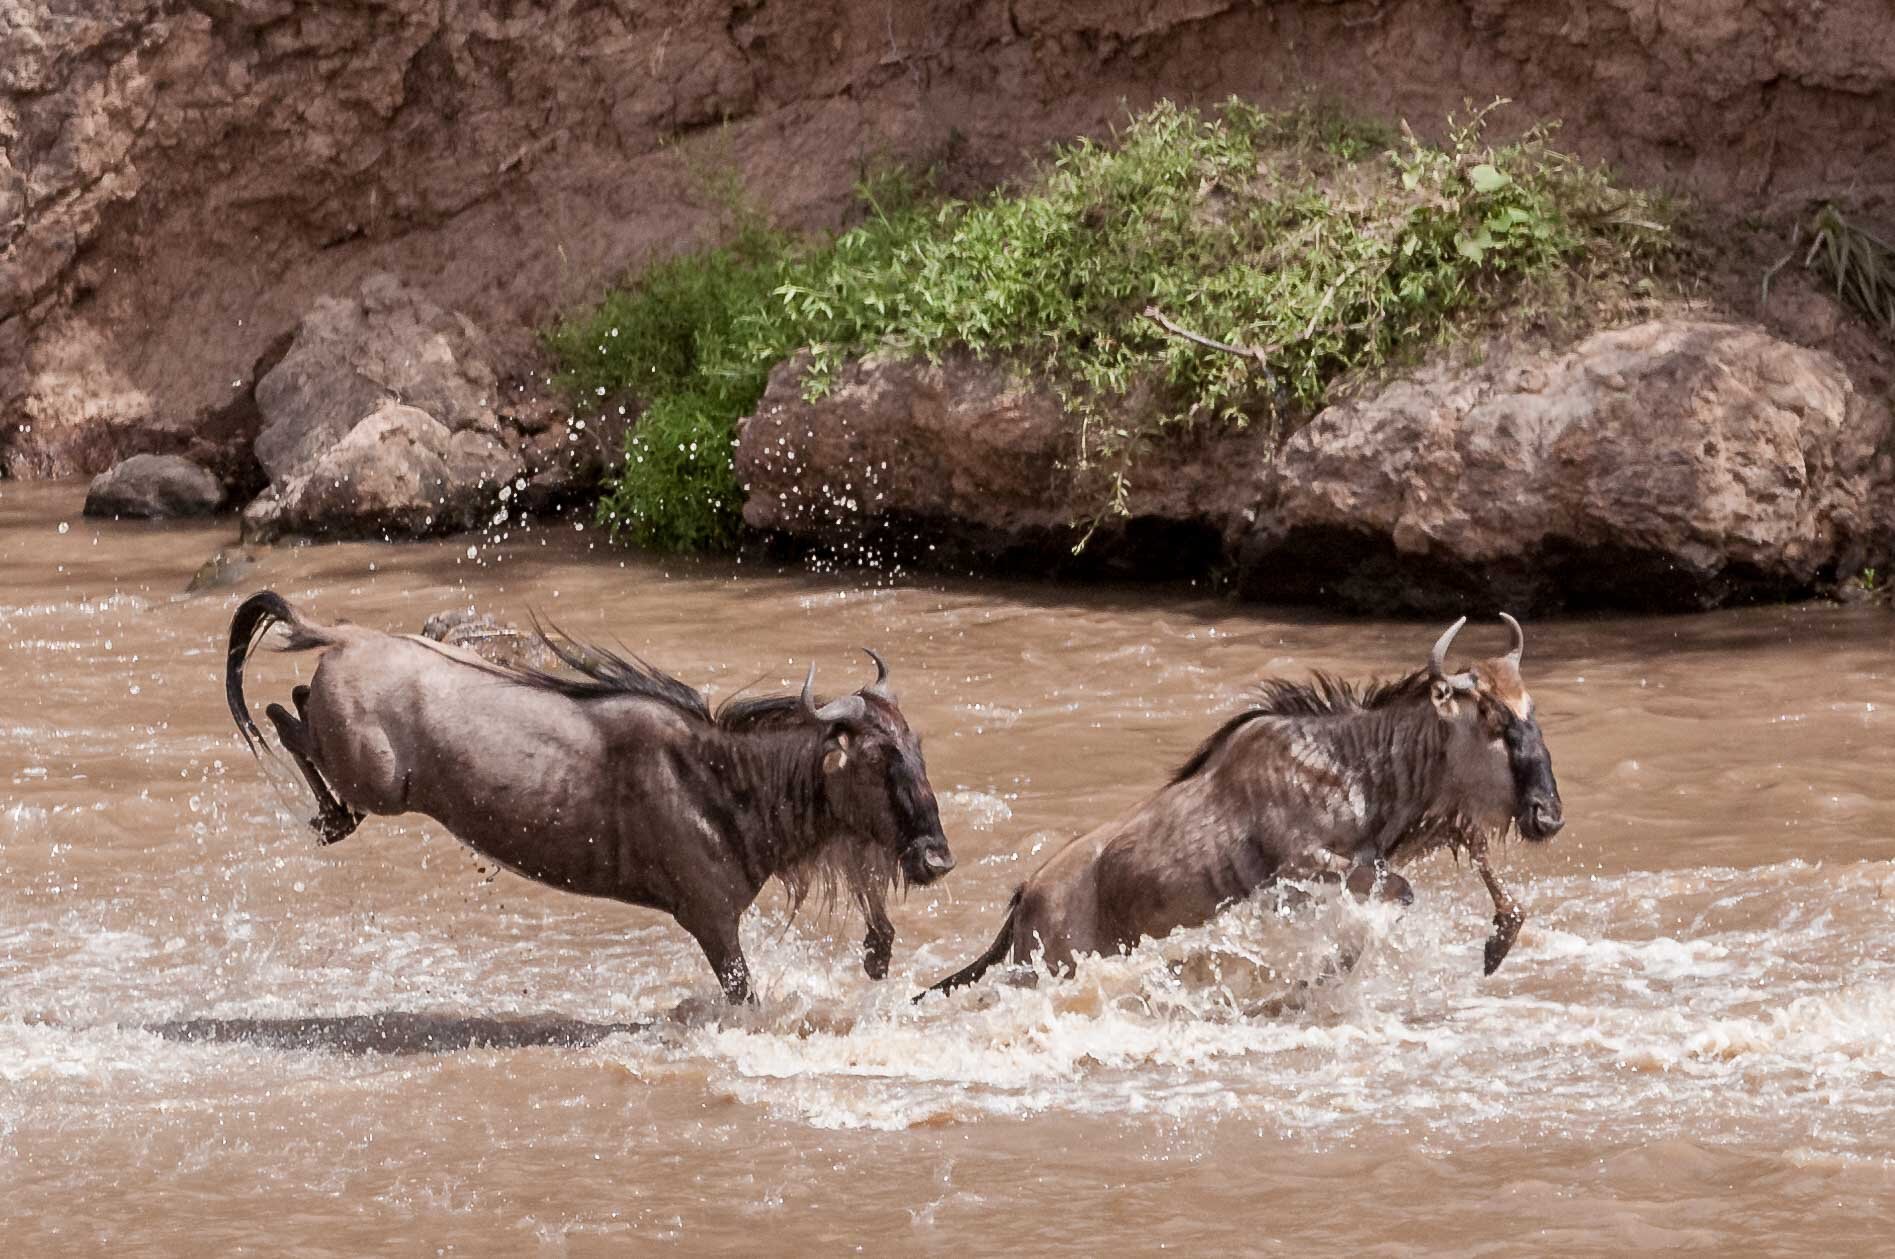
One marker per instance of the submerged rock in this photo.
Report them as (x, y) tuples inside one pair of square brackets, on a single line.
[(230, 566), (154, 486), (495, 641)]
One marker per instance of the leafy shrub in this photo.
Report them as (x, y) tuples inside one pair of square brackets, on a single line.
[(673, 341), (1225, 267)]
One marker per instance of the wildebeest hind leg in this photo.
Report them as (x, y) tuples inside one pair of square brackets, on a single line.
[(334, 821)]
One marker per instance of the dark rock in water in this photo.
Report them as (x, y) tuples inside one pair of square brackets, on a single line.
[(502, 644), (394, 1032), (155, 487)]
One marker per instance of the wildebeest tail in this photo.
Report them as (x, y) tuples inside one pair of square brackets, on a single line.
[(254, 618), (997, 951)]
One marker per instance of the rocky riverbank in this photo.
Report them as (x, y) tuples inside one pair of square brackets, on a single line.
[(1673, 464), (324, 313)]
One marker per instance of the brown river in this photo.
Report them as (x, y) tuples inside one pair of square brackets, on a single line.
[(217, 1037)]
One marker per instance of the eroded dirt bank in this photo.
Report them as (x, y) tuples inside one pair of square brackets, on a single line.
[(180, 182)]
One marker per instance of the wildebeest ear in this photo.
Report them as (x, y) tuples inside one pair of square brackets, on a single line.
[(1441, 691)]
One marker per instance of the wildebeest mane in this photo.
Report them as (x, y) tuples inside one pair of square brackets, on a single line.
[(1324, 695), (603, 673), (752, 712)]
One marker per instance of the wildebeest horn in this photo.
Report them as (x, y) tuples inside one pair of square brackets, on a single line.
[(848, 708), (879, 687), (1437, 659), (1519, 640)]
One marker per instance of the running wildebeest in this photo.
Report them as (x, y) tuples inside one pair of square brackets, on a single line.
[(1321, 782), (619, 782)]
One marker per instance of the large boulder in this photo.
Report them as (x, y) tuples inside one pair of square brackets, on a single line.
[(380, 418), (398, 472), (154, 486), (351, 354), (965, 461), (1677, 463), (1671, 464)]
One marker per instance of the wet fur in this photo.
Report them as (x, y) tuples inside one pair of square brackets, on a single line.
[(751, 775), (1271, 795)]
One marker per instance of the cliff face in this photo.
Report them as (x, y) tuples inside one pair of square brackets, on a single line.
[(180, 181)]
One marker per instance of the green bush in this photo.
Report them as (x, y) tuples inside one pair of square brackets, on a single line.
[(1225, 267), (674, 342)]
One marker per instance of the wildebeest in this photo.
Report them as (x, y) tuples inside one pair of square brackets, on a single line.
[(618, 782), (1322, 781)]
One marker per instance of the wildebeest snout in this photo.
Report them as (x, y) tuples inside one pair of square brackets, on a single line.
[(926, 860), (1541, 818)]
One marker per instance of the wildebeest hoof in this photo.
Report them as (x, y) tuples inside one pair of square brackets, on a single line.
[(332, 828), (1506, 931)]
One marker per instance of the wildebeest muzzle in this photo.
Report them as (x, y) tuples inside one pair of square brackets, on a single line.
[(926, 859), (1538, 813)]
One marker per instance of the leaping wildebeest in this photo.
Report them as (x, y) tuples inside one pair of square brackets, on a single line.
[(617, 782), (1321, 781)]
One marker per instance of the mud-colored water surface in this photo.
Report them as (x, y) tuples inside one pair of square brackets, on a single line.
[(216, 1037)]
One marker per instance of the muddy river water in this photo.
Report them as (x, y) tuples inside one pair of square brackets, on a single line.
[(216, 1037)]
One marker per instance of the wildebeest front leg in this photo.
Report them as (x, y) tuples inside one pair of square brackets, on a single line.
[(333, 821), (718, 939), (1508, 916), (879, 943), (1372, 881)]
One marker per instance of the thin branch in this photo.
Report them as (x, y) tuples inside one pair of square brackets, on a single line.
[(1323, 305), (1258, 354), (1242, 351)]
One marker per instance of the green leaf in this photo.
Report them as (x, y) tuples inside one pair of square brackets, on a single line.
[(1486, 178)]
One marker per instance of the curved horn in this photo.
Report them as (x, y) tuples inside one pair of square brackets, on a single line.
[(809, 692), (848, 708), (879, 687), (1519, 640), (1438, 658)]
